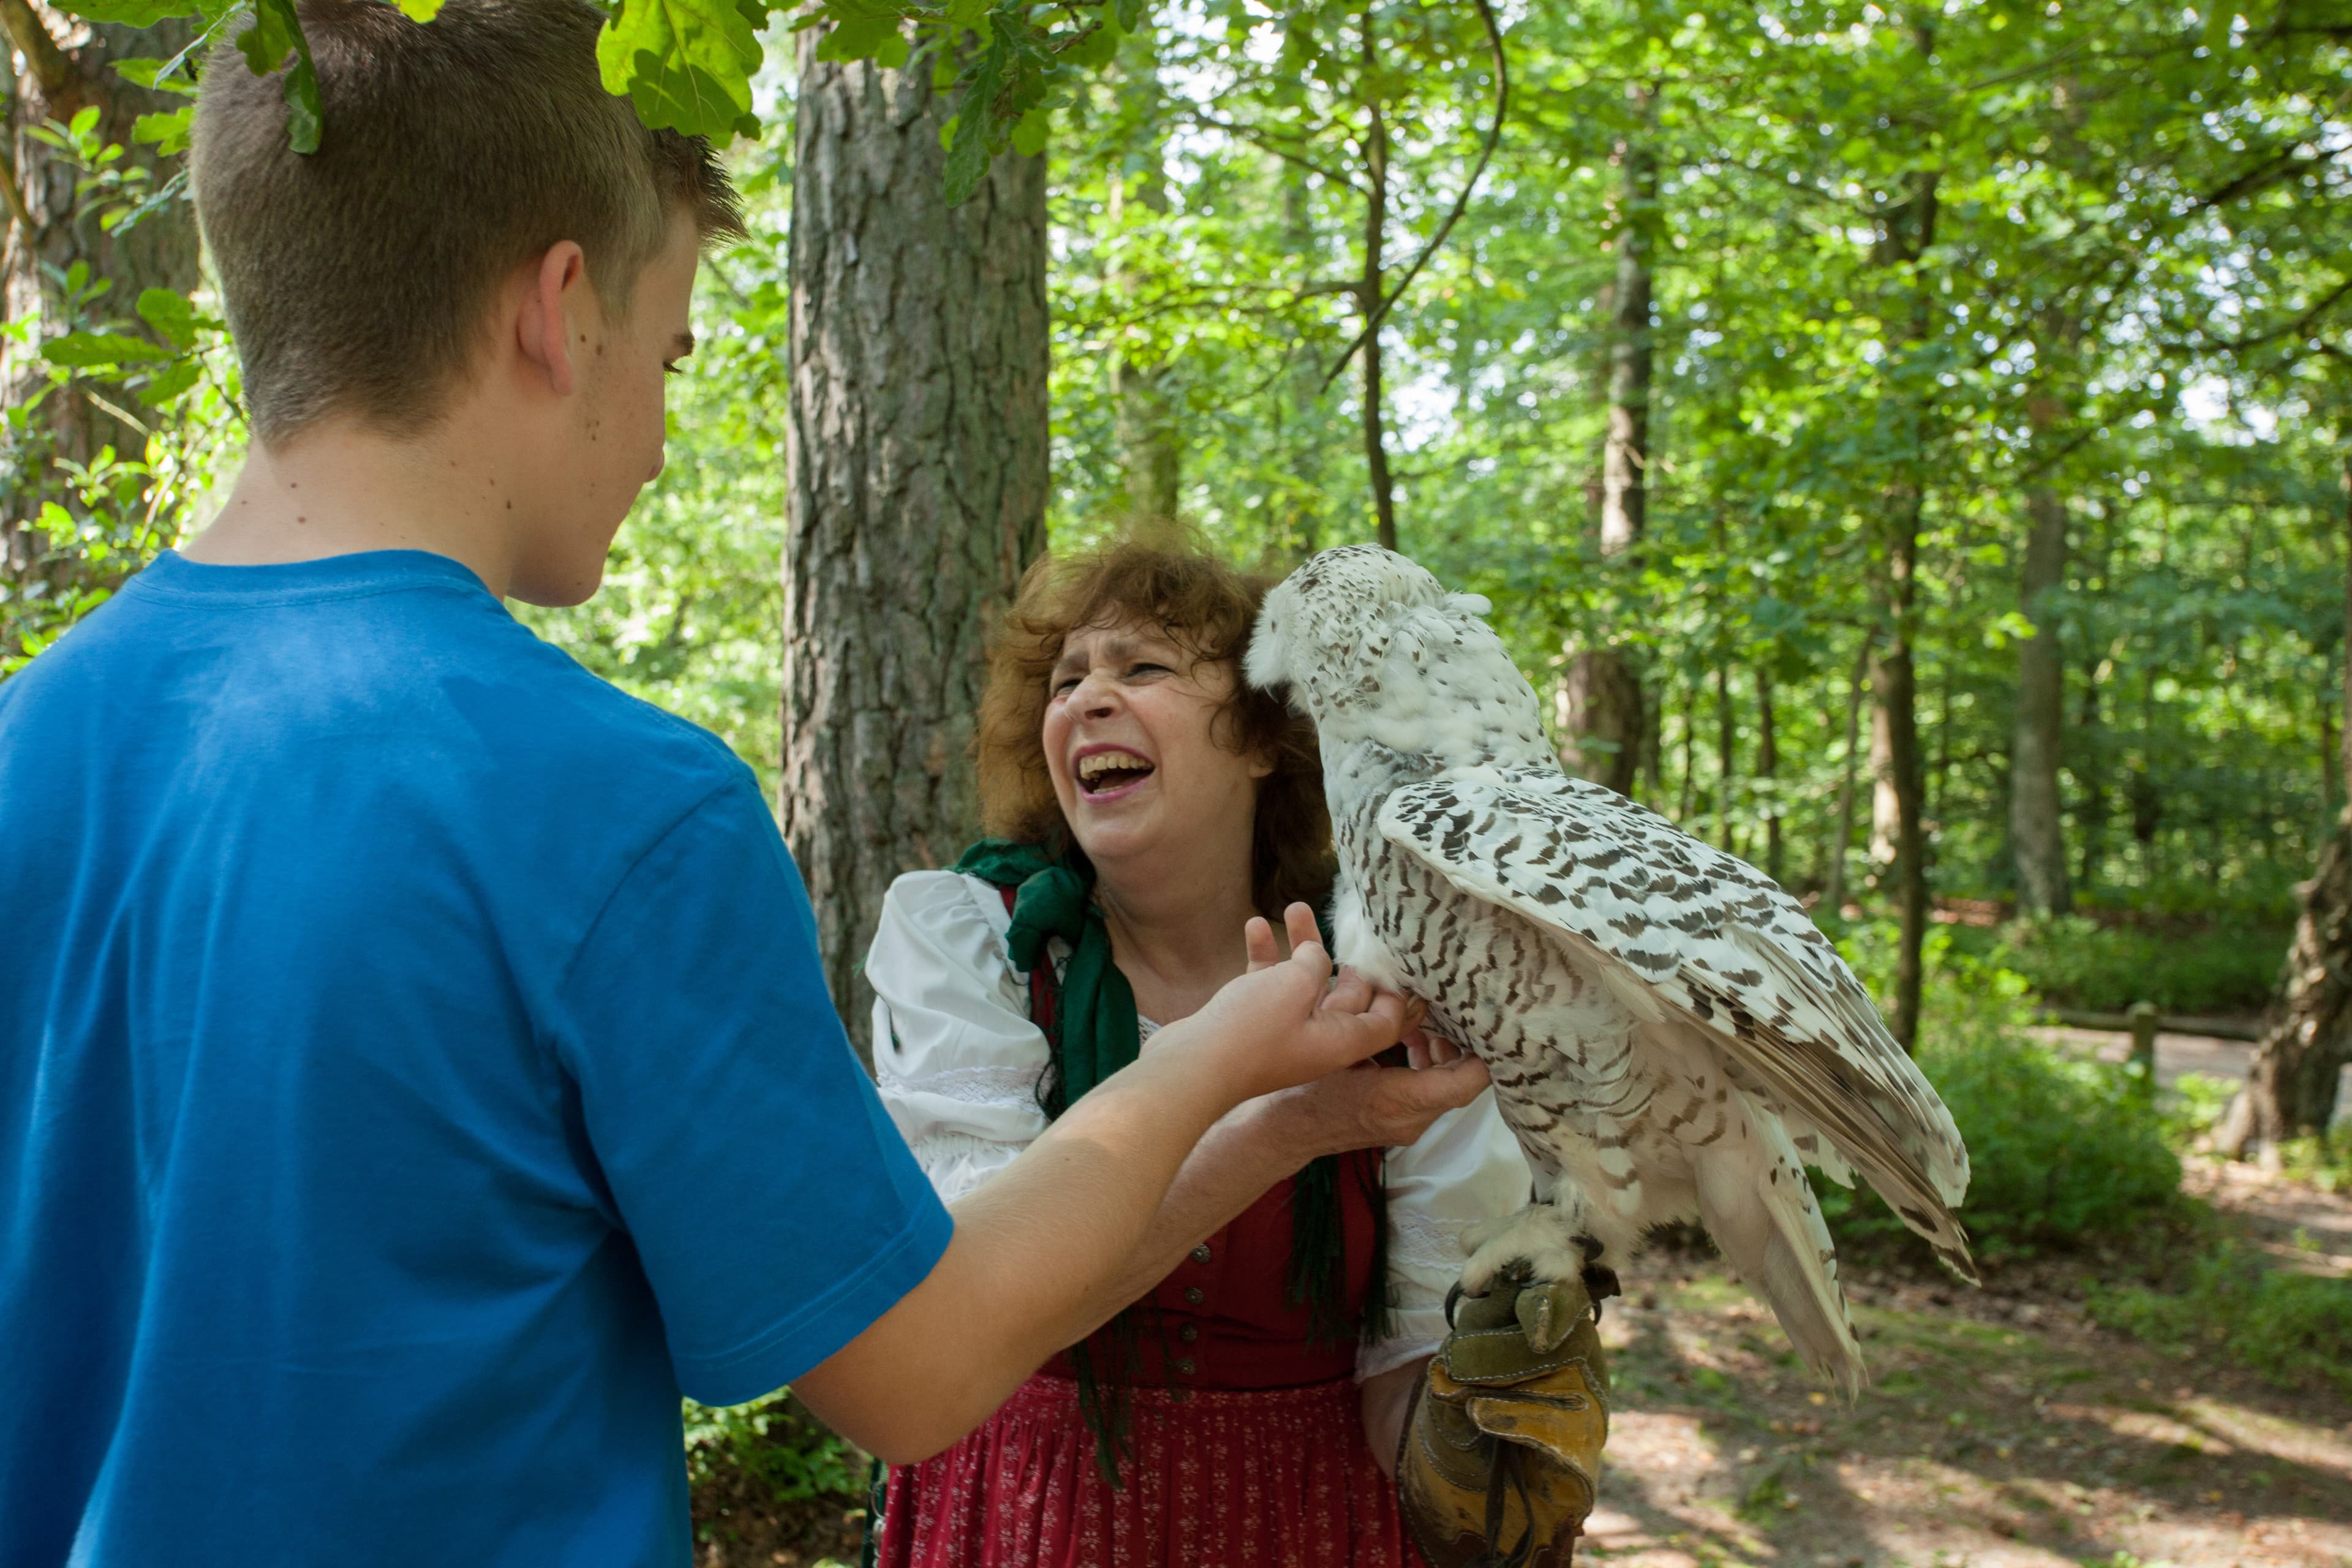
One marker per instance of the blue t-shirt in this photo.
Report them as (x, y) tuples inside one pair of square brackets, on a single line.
[(414, 1070)]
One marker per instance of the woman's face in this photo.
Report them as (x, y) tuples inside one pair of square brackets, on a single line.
[(1127, 738)]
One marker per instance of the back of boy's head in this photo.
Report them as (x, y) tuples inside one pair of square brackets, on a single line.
[(358, 279)]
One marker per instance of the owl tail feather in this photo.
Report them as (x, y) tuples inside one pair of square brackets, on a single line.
[(1753, 1198)]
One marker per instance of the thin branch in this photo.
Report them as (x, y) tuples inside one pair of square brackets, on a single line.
[(1462, 203), (1261, 140)]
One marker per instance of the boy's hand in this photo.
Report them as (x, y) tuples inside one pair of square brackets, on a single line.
[(1286, 1023)]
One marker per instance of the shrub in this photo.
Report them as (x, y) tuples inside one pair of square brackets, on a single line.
[(2062, 1150), (2291, 1329), (772, 1448), (2075, 962)]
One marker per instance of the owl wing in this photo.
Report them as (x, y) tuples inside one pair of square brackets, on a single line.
[(1682, 932)]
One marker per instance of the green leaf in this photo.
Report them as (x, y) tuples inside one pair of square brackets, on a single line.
[(171, 382), (168, 131), (1029, 132), (1129, 13), (148, 73), (687, 65), (170, 313), (97, 351), (274, 34), (130, 13), (863, 30), (1098, 48), (969, 141)]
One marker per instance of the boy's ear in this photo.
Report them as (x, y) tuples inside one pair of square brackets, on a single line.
[(543, 331)]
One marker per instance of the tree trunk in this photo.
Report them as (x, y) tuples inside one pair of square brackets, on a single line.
[(1725, 761), (1894, 683), (1625, 451), (918, 458), (1598, 706), (1768, 769), (2291, 1087), (1294, 521), (1150, 437), (1367, 295), (1599, 701), (52, 226), (2036, 829), (1841, 833)]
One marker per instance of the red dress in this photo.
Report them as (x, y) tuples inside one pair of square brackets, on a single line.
[(1247, 1441)]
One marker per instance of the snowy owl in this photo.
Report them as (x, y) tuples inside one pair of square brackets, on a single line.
[(1668, 1034)]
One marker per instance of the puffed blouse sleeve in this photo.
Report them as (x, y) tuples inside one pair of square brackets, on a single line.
[(1466, 1169), (955, 1056)]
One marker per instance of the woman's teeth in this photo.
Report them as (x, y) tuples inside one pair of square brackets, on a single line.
[(1106, 771)]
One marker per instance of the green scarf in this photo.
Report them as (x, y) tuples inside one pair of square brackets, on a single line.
[(1094, 1033)]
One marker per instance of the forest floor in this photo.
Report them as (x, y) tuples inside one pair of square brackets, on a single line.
[(2002, 1429)]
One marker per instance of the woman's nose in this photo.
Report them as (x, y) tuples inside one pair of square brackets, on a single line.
[(1096, 695)]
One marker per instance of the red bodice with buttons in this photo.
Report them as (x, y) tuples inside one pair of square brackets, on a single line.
[(1224, 1319)]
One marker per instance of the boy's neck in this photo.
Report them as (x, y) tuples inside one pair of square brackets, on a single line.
[(340, 486)]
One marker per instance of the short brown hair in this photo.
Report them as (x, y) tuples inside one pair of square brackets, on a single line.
[(355, 278), (1205, 606)]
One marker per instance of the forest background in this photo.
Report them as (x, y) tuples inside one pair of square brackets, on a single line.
[(1906, 445)]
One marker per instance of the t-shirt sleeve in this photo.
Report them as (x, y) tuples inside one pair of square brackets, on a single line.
[(774, 1209)]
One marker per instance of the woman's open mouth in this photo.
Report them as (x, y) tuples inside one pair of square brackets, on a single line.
[(1109, 771)]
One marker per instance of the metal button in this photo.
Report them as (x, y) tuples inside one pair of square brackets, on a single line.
[(1185, 1366), (1189, 1333), (1201, 1254), (1195, 1295)]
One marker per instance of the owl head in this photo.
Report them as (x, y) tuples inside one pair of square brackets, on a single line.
[(1328, 630)]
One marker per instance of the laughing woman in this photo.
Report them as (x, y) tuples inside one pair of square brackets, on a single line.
[(1246, 1408)]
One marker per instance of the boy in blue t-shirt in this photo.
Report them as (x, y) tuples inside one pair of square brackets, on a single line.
[(414, 1066)]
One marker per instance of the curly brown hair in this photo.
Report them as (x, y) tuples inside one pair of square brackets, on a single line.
[(1207, 608)]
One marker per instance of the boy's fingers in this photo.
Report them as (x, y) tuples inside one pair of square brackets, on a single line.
[(1298, 924), (1257, 940), (1349, 993)]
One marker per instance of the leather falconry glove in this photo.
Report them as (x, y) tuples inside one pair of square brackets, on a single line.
[(1501, 1458)]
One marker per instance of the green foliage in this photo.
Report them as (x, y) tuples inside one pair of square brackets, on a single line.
[(2225, 967), (2290, 1328), (689, 65), (2062, 1150), (772, 1448)]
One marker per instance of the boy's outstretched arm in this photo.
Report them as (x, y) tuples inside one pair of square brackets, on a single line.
[(1042, 1253)]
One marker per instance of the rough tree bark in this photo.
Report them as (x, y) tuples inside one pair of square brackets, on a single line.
[(63, 66), (1768, 768), (1599, 701), (1842, 830), (2291, 1088), (1894, 682), (2036, 828), (1150, 439), (1598, 706), (1908, 232), (917, 455)]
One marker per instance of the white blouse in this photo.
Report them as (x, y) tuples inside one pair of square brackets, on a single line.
[(958, 1061)]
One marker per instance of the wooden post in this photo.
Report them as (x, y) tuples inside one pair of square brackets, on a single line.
[(2144, 1018)]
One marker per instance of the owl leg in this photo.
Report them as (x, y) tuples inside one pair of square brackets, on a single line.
[(1552, 1260), (1553, 1240)]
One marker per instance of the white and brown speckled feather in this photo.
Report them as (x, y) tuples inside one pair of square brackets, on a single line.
[(1668, 1034)]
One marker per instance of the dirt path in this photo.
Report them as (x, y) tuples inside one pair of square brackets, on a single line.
[(2002, 1432)]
